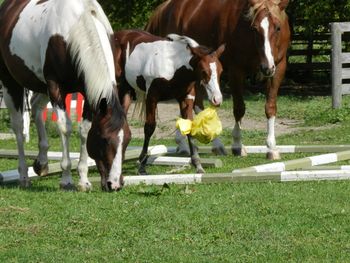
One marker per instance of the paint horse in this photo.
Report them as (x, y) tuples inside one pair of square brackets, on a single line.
[(257, 35), (54, 48), (160, 69)]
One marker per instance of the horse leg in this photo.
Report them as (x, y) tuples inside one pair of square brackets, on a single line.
[(236, 81), (38, 103), (16, 115), (65, 129), (150, 126), (272, 86), (186, 108), (83, 168)]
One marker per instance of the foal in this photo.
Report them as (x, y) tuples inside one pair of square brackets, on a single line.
[(159, 69)]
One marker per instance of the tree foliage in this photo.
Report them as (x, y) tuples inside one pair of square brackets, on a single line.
[(314, 16), (125, 14)]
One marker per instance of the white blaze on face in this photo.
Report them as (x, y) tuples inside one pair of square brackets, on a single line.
[(267, 46), (116, 169), (213, 87)]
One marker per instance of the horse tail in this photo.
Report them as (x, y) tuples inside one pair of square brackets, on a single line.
[(139, 111), (90, 47)]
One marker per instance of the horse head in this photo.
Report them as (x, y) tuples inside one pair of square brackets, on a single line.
[(107, 141), (268, 19), (208, 69)]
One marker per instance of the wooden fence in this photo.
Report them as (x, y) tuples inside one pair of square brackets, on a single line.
[(340, 63)]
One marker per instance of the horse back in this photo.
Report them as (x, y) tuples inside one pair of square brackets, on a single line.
[(209, 22)]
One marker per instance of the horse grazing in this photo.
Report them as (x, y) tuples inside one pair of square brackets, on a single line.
[(54, 48), (257, 36), (160, 69)]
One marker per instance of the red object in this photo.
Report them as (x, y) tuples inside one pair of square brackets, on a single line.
[(78, 109)]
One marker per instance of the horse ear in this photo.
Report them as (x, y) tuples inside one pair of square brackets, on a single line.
[(194, 51), (283, 4), (103, 106), (220, 50)]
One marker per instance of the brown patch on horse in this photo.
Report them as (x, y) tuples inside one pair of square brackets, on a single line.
[(141, 83), (41, 2)]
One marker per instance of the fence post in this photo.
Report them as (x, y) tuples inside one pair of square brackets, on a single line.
[(336, 66)]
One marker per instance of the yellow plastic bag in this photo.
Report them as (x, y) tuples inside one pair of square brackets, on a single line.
[(205, 127)]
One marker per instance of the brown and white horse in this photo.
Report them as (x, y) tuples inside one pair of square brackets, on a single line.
[(257, 35), (54, 48), (161, 69)]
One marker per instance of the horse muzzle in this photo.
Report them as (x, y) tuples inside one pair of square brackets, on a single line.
[(268, 72)]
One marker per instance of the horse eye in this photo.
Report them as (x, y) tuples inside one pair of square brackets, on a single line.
[(278, 28)]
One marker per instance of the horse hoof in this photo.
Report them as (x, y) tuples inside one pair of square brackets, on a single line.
[(241, 151), (84, 187), (273, 155), (142, 172), (114, 186), (24, 184), (183, 150), (68, 187), (40, 169), (219, 150), (200, 170)]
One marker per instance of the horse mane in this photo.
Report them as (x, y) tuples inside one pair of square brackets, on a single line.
[(89, 42), (270, 5), (183, 39)]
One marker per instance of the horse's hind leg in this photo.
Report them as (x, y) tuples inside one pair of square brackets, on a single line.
[(38, 103), (150, 126), (83, 168), (14, 104)]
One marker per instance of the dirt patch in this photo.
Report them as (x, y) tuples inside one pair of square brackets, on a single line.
[(168, 112)]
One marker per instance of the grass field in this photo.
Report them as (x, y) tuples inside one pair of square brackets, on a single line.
[(249, 222)]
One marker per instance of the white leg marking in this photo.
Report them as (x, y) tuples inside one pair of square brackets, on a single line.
[(116, 169), (237, 136), (267, 46), (83, 168), (65, 129), (271, 140)]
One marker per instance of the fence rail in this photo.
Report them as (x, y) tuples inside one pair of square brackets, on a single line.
[(339, 58)]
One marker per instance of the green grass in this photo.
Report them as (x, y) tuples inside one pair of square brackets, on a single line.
[(249, 222)]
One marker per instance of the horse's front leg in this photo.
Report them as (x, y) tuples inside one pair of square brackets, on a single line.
[(16, 115), (39, 102), (272, 86), (236, 82), (186, 108), (150, 126), (65, 129), (83, 168)]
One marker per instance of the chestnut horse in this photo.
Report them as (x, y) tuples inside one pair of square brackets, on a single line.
[(160, 69), (54, 48), (257, 35)]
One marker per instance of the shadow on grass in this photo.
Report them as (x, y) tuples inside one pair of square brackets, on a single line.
[(32, 188)]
